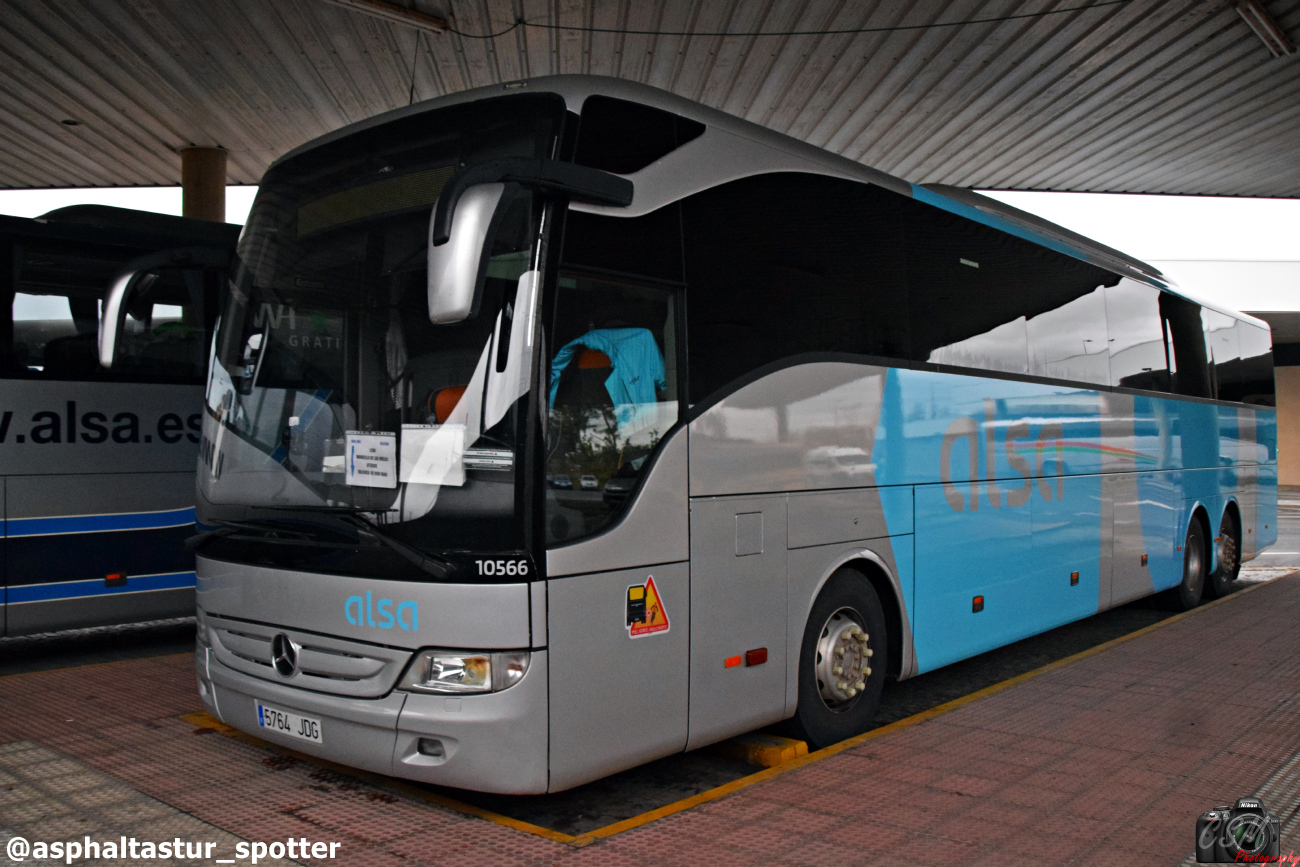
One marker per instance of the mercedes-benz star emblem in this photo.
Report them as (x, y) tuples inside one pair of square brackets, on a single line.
[(284, 655)]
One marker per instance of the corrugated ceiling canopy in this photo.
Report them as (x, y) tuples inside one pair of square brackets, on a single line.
[(1158, 96)]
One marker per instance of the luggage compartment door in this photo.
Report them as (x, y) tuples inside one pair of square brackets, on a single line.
[(738, 603)]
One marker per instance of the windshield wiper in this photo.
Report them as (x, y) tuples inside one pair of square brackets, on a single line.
[(227, 528), (435, 566)]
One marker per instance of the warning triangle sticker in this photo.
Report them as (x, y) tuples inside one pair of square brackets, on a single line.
[(645, 610)]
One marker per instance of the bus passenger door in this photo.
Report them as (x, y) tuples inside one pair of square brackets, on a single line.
[(738, 623), (618, 621)]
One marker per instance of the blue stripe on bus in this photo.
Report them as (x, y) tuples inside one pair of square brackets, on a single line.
[(99, 523), (96, 587), (939, 200)]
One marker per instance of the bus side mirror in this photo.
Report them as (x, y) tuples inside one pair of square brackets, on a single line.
[(457, 266), (463, 219), (135, 278)]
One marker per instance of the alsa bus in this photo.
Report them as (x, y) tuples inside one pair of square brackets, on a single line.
[(560, 426), (98, 465)]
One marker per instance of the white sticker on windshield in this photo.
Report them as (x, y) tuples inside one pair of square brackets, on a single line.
[(433, 454), (371, 459)]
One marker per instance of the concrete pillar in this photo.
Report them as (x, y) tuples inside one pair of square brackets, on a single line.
[(203, 184)]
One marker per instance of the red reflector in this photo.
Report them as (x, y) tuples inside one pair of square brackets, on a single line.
[(732, 661), (115, 579), (756, 657), (977, 604)]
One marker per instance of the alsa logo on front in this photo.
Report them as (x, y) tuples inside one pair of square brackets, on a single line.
[(361, 612), (984, 441)]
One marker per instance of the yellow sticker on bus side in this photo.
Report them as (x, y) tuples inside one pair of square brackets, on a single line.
[(645, 610)]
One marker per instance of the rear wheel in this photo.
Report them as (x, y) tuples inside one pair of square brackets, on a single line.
[(842, 661), (1187, 595), (1227, 556)]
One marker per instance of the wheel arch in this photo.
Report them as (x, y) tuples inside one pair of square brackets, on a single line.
[(1233, 507), (1198, 512), (873, 569)]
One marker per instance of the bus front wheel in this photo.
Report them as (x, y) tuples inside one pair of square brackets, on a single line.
[(842, 661)]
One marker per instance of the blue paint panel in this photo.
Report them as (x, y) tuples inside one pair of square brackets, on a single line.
[(1067, 528), (87, 556), (96, 587), (1008, 496), (15, 527), (960, 555), (897, 506)]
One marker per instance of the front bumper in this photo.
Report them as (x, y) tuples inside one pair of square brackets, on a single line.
[(492, 743)]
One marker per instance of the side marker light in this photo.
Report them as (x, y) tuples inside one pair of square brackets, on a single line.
[(977, 604), (1074, 579), (115, 579), (756, 657), (1144, 559), (732, 661)]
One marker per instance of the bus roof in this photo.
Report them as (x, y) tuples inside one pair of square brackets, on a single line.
[(733, 148), (104, 224)]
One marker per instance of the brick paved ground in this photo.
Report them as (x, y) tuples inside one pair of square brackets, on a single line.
[(1107, 760)]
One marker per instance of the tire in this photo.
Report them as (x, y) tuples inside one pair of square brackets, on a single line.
[(829, 712), (1187, 595), (1227, 557)]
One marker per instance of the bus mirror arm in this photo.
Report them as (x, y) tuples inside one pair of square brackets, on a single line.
[(137, 275), (579, 183)]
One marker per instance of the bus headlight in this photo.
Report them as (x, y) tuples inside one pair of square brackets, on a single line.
[(457, 673)]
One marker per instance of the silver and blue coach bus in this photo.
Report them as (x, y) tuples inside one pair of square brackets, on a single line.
[(98, 465), (559, 426)]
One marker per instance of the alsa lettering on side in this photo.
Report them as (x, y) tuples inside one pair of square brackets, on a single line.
[(1019, 444)]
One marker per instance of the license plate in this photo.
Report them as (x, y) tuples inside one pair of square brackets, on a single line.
[(294, 725)]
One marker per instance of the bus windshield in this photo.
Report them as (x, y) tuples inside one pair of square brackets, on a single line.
[(331, 394)]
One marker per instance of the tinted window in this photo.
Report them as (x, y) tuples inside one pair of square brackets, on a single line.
[(1069, 341), (1136, 336), (985, 299), (1223, 354), (967, 305), (1256, 366), (786, 264), (625, 137), (1189, 363), (54, 315), (612, 397), (647, 246)]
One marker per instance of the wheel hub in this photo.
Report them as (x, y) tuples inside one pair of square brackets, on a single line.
[(1227, 553), (843, 659)]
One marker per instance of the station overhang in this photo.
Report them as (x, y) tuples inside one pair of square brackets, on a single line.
[(1187, 96)]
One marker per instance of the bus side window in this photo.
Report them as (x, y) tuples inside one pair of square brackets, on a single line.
[(1189, 359), (1138, 353), (1256, 366), (1223, 353), (786, 265), (610, 395), (47, 335), (968, 287)]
